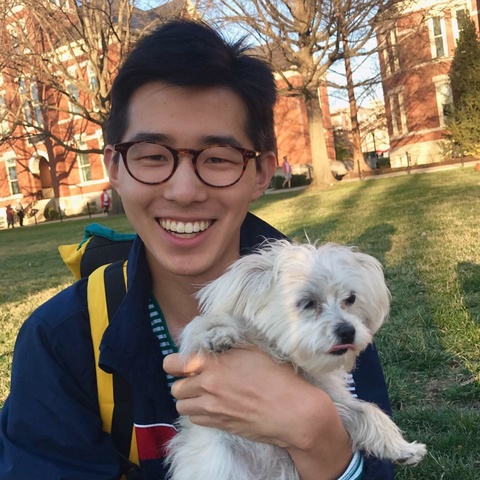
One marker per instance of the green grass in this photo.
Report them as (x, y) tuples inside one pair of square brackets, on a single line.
[(425, 230)]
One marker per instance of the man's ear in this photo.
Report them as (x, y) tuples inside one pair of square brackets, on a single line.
[(269, 165), (111, 164)]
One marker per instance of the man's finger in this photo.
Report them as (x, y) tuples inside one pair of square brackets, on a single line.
[(176, 366)]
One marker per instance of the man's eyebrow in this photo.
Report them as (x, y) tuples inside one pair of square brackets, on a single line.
[(206, 140), (150, 137), (221, 140)]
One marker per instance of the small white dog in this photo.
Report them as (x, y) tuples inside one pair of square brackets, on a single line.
[(316, 308)]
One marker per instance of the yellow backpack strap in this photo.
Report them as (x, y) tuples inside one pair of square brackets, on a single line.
[(105, 291)]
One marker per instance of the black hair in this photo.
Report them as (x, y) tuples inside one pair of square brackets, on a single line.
[(188, 53)]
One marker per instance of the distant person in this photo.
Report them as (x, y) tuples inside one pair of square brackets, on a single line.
[(105, 201), (10, 216), (20, 213), (287, 172)]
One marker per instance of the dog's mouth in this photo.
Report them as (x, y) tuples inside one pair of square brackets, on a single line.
[(341, 349)]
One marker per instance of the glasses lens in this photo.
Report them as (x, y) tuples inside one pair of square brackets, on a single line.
[(149, 162), (220, 166)]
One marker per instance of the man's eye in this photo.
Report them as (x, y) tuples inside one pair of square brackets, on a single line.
[(216, 160), (153, 158)]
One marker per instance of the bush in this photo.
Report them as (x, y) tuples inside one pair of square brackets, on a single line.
[(383, 162), (298, 180), (89, 208), (51, 214)]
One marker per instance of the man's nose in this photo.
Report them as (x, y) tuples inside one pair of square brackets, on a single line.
[(184, 187)]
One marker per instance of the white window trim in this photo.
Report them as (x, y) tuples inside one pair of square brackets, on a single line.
[(391, 99), (384, 47), (4, 123), (394, 50), (403, 114), (439, 81), (11, 159), (403, 130), (455, 27), (433, 48), (84, 139)]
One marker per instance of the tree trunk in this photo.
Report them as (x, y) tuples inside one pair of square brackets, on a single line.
[(117, 205), (358, 159), (322, 175)]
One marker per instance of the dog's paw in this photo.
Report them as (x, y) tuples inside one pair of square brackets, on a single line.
[(411, 454), (220, 338)]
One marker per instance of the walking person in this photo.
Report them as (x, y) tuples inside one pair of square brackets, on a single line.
[(20, 214), (287, 172), (106, 202), (10, 216)]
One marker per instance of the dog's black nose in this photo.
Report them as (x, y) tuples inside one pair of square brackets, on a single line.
[(345, 332)]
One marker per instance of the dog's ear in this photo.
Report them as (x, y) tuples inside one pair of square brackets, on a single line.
[(242, 287), (376, 292)]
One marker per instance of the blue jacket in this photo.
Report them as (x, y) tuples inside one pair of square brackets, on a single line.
[(50, 426)]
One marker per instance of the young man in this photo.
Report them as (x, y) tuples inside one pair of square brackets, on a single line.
[(190, 145)]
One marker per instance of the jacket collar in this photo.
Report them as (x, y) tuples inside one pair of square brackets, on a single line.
[(129, 346)]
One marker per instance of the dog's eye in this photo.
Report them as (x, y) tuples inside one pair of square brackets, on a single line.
[(307, 304), (350, 300)]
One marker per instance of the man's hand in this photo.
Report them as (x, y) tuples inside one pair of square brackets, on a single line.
[(245, 392)]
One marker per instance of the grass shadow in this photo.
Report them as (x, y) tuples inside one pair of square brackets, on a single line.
[(469, 278)]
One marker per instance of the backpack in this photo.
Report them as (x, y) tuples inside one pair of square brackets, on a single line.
[(106, 288), (101, 256)]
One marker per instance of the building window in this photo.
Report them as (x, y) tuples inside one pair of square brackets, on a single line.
[(12, 176), (4, 126), (74, 96), (390, 52), (12, 30), (443, 93), (439, 48), (37, 111), (460, 17), (26, 104), (84, 167), (92, 78), (398, 115)]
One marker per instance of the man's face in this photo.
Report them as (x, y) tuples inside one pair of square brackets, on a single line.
[(188, 118)]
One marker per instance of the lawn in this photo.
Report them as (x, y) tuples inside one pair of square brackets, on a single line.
[(423, 228)]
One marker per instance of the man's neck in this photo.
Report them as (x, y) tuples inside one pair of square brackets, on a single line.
[(176, 298)]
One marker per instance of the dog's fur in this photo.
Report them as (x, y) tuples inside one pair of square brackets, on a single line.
[(316, 308)]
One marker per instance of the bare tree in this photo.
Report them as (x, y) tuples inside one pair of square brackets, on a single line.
[(309, 37), (62, 57)]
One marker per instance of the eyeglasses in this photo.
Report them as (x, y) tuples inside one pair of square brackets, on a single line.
[(153, 163)]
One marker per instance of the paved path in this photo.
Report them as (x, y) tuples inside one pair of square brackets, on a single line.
[(98, 216)]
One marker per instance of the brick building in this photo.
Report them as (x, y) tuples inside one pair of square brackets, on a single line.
[(39, 170), (293, 137), (416, 54), (62, 168)]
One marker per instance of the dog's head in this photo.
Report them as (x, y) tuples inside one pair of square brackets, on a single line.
[(319, 307)]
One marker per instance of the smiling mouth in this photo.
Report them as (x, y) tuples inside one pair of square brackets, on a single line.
[(184, 229)]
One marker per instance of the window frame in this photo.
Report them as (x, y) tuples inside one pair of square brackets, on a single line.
[(11, 163)]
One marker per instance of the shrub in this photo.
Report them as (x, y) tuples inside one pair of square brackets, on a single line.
[(89, 208), (51, 214), (383, 162), (298, 180)]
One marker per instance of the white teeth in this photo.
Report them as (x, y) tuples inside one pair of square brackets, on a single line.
[(185, 227)]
